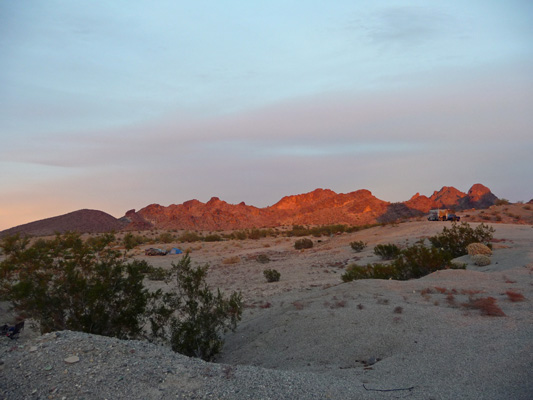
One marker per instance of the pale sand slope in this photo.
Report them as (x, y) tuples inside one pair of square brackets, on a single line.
[(319, 335)]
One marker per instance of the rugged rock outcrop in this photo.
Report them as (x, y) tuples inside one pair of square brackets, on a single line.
[(478, 196), (319, 207)]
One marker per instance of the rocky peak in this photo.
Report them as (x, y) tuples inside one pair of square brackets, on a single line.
[(478, 196)]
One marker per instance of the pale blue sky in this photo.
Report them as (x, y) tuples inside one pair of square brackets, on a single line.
[(116, 105)]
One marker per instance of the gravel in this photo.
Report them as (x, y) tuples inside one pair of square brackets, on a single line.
[(75, 365)]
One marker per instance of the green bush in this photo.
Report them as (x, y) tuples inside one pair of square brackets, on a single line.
[(418, 260), (213, 238), (303, 244), (387, 251), (271, 275), (413, 262), (263, 259), (502, 202), (455, 239), (370, 271), (202, 316), (190, 237), (66, 283), (166, 237), (358, 246), (130, 240), (157, 274), (256, 234), (238, 235)]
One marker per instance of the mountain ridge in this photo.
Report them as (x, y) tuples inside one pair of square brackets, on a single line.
[(318, 207)]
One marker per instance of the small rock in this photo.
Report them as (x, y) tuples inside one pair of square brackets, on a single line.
[(33, 349), (72, 359)]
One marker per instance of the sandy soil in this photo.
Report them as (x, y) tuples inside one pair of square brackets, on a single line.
[(421, 336)]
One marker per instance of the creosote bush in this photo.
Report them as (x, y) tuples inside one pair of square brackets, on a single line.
[(166, 237), (66, 283), (413, 262), (387, 251), (69, 284), (271, 275), (358, 246), (303, 244), (201, 316), (455, 240), (263, 259)]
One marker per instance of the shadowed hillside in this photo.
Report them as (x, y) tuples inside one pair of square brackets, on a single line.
[(83, 221)]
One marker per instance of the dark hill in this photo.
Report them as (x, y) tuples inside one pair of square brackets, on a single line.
[(83, 221)]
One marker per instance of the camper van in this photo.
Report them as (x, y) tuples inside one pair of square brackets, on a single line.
[(442, 215)]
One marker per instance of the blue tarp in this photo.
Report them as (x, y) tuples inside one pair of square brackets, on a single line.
[(175, 251)]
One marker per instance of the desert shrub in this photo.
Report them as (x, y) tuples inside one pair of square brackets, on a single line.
[(271, 275), (201, 316), (455, 239), (418, 260), (157, 274), (369, 271), (166, 237), (213, 238), (478, 248), (263, 259), (502, 202), (387, 251), (358, 246), (481, 260), (190, 237), (239, 235), (256, 234), (303, 244), (413, 262), (131, 241), (66, 283), (231, 260), (316, 231)]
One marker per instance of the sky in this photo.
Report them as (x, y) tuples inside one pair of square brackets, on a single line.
[(115, 105)]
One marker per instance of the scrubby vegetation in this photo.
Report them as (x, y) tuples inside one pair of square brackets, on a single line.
[(69, 284), (303, 244), (271, 275), (326, 230), (358, 246), (200, 316), (455, 240), (387, 251), (412, 262), (166, 237), (263, 259), (419, 260)]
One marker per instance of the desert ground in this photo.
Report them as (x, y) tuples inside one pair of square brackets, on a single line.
[(311, 336)]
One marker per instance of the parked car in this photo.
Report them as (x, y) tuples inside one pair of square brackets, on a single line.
[(453, 217), (154, 252)]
